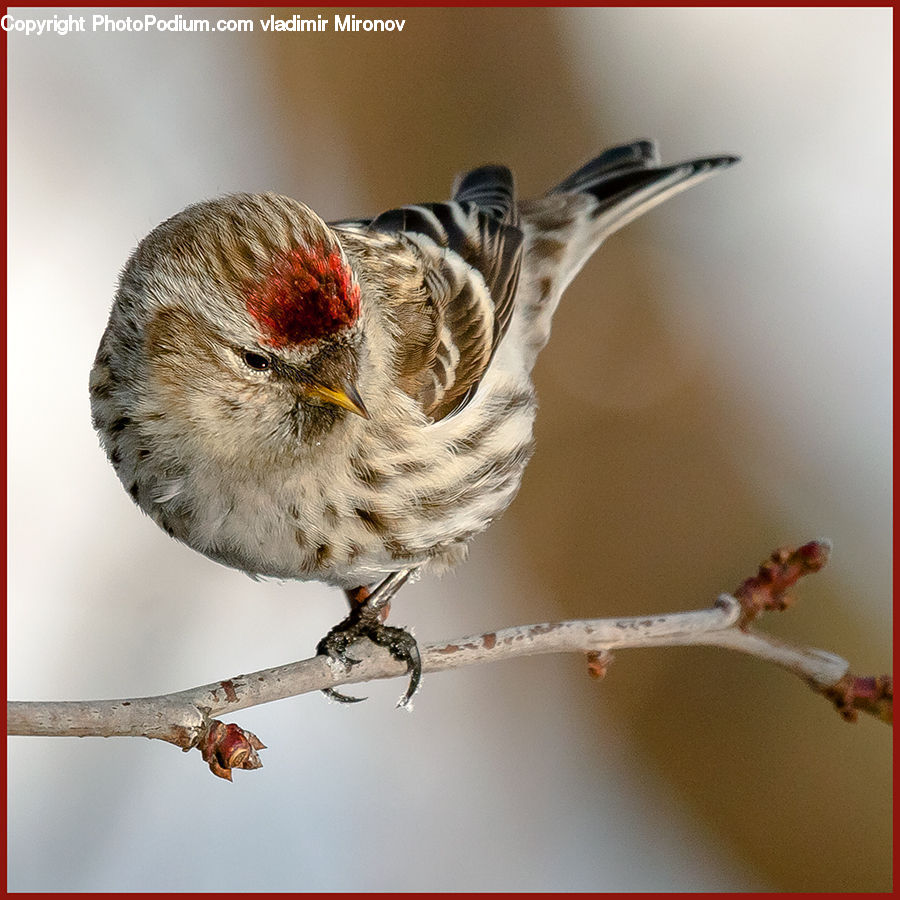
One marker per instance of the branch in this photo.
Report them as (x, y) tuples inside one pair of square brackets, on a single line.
[(187, 719)]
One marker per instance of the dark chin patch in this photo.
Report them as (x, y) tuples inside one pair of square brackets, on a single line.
[(319, 420), (309, 294)]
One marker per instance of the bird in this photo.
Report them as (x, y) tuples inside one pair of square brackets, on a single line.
[(350, 402)]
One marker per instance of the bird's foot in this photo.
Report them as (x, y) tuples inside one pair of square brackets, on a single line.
[(367, 612)]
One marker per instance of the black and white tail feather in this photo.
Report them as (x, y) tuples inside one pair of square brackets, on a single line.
[(566, 226), (625, 182)]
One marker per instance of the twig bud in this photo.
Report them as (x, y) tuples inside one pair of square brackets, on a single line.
[(228, 747), (767, 590)]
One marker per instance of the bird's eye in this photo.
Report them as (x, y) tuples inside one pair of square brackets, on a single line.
[(256, 360)]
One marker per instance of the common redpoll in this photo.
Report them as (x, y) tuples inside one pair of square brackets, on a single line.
[(353, 400)]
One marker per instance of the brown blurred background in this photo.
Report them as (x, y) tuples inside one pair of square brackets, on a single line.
[(717, 384)]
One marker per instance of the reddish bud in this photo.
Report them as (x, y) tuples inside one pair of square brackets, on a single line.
[(598, 663), (228, 747), (767, 590), (870, 694)]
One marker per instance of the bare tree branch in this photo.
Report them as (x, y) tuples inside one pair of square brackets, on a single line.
[(187, 718)]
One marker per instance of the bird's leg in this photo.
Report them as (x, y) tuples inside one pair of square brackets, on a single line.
[(368, 610)]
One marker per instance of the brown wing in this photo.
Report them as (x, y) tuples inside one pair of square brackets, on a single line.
[(469, 251)]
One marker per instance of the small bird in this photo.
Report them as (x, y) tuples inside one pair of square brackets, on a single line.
[(350, 401)]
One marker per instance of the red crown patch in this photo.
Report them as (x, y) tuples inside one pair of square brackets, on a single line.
[(309, 294)]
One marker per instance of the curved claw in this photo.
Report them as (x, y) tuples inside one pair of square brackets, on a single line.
[(414, 667), (403, 647), (332, 694)]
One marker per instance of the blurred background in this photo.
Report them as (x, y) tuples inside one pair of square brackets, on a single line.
[(718, 383)]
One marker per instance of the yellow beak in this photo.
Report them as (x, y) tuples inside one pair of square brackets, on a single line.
[(346, 397)]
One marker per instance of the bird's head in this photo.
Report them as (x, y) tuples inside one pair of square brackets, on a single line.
[(245, 317)]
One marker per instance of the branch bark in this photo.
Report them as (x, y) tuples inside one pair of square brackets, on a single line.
[(188, 718)]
